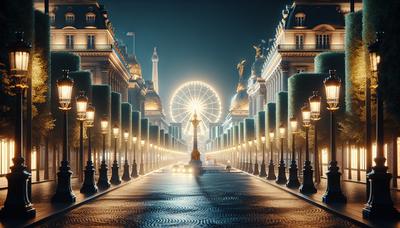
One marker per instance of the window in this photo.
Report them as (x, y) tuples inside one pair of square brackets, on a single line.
[(300, 70), (300, 19), (299, 41), (52, 18), (69, 42), (90, 42), (323, 41), (90, 18), (69, 18)]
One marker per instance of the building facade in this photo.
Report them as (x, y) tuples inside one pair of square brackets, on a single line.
[(83, 27), (307, 28)]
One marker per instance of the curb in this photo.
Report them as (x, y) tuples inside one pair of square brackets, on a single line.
[(304, 197)]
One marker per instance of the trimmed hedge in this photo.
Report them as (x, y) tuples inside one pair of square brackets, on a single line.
[(167, 140), (270, 119), (260, 126), (229, 140), (116, 109), (378, 16), (126, 119), (249, 129), (136, 120), (241, 132), (225, 140), (281, 110), (235, 135), (101, 101), (162, 137), (144, 129)]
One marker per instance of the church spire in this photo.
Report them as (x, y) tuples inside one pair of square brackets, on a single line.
[(154, 59)]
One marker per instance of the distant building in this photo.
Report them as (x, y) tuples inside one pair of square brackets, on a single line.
[(306, 29), (83, 27)]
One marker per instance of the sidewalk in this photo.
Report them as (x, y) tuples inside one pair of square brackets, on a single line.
[(355, 193), (41, 199)]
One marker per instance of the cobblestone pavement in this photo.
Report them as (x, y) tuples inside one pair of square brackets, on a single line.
[(216, 199)]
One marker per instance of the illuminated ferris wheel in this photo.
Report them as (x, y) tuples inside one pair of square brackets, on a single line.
[(199, 97)]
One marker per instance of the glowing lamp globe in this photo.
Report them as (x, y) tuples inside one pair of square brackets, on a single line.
[(90, 116), (81, 106), (315, 106), (332, 89), (64, 87), (104, 125), (293, 125), (306, 114)]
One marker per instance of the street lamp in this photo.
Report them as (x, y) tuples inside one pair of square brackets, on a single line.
[(307, 186), (271, 167), (333, 192), (103, 182), (134, 173), (81, 106), (263, 172), (126, 176), (64, 191), (141, 168), (17, 203), (115, 168), (282, 169), (89, 186), (250, 166), (256, 171), (380, 202), (315, 108), (293, 177)]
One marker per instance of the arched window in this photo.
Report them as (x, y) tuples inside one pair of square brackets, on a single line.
[(300, 19), (90, 18), (69, 18)]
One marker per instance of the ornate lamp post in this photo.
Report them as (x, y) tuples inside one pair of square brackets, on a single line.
[(333, 192), (256, 171), (103, 182), (315, 107), (134, 173), (64, 191), (141, 167), (81, 106), (263, 172), (126, 176), (307, 186), (271, 167), (115, 168), (250, 166), (293, 177), (89, 186), (380, 202), (17, 203), (281, 169)]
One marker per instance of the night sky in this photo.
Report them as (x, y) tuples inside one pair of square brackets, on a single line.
[(196, 39)]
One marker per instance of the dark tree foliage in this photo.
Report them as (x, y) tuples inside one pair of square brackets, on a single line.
[(136, 121), (270, 119), (154, 132), (249, 129), (144, 129), (126, 119)]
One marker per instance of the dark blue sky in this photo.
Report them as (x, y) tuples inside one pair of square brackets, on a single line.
[(196, 39)]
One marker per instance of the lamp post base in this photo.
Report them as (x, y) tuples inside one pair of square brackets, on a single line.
[(250, 168), (141, 169), (126, 176), (256, 171), (380, 204), (333, 192), (103, 182), (17, 204), (271, 171), (134, 173), (115, 180), (64, 192), (293, 177), (308, 183), (89, 186), (281, 173), (263, 172)]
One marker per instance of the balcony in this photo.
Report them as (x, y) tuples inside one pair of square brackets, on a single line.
[(81, 47), (310, 47)]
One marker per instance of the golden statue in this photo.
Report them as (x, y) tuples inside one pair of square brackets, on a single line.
[(258, 49), (240, 67)]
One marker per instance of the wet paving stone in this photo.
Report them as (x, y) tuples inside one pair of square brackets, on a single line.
[(216, 199)]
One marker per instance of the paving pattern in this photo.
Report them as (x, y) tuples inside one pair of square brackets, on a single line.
[(216, 199)]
